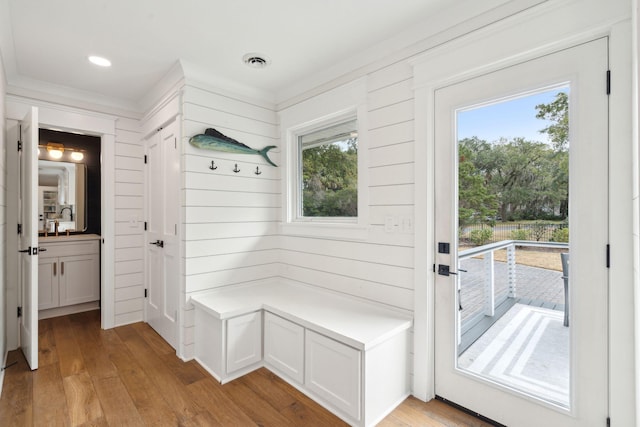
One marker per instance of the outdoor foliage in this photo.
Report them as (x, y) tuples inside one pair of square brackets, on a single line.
[(556, 111), (538, 230), (560, 235), (520, 234), (330, 180), (517, 179), (481, 237)]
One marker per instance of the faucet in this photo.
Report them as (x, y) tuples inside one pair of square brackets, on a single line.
[(70, 212), (56, 227)]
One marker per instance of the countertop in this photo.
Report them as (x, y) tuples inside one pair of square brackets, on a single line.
[(70, 238)]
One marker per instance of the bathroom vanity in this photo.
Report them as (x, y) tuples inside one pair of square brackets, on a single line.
[(68, 274)]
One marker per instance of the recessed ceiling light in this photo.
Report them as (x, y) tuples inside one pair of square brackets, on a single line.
[(100, 61), (256, 60)]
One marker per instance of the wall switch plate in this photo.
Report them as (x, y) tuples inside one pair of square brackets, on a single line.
[(389, 224), (406, 224)]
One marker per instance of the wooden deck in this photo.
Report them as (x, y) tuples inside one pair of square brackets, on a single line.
[(534, 286), (129, 376)]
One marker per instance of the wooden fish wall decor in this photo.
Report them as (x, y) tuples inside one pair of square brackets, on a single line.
[(211, 139)]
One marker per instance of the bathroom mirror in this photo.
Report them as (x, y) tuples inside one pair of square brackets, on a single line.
[(62, 195)]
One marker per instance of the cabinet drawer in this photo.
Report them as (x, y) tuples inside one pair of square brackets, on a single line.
[(333, 373), (284, 346), (244, 341), (69, 248)]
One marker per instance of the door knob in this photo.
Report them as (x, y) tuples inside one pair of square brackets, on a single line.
[(159, 243)]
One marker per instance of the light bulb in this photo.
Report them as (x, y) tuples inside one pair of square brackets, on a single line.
[(55, 154)]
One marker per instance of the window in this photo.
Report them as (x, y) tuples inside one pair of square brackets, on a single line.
[(326, 179), (328, 172)]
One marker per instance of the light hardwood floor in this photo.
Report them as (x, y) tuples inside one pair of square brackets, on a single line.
[(129, 376)]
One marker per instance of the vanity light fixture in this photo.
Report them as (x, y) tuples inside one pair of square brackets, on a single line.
[(99, 61), (55, 150), (77, 156)]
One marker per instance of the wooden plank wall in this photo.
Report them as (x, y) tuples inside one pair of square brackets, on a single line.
[(231, 219), (380, 268), (129, 217)]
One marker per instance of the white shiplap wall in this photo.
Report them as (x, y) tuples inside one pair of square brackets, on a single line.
[(230, 219), (129, 218), (379, 268)]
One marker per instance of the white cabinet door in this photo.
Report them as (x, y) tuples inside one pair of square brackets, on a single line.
[(333, 373), (284, 346), (48, 283), (244, 341), (79, 279)]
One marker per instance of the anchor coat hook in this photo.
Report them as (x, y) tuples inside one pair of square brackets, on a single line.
[(213, 166), (257, 172), (236, 170)]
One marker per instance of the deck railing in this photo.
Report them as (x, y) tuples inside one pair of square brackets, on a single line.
[(489, 301)]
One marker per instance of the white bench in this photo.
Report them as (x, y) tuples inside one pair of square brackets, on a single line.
[(350, 356)]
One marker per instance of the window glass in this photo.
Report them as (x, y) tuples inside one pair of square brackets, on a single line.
[(328, 175)]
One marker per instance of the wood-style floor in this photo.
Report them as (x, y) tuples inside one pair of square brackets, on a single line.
[(129, 376)]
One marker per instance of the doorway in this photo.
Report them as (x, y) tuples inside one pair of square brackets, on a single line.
[(163, 248), (58, 118), (533, 366)]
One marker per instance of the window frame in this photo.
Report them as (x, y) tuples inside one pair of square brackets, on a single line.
[(345, 103), (299, 202)]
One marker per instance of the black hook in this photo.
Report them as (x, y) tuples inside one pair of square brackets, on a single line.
[(257, 172), (213, 166), (236, 170)]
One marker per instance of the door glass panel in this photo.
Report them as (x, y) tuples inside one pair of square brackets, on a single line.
[(513, 244)]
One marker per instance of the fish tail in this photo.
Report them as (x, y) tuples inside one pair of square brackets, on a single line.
[(264, 151)]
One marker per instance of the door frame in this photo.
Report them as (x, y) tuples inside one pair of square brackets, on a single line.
[(67, 119), (492, 48)]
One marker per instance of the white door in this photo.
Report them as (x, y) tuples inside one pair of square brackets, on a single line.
[(163, 248), (516, 382), (28, 217)]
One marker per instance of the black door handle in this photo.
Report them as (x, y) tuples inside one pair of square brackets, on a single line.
[(159, 243)]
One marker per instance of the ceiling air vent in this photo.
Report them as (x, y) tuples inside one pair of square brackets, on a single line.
[(256, 60)]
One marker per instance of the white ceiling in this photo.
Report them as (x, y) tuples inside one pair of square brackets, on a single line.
[(45, 43)]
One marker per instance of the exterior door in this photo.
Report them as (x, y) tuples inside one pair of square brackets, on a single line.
[(514, 395), (163, 249), (28, 242)]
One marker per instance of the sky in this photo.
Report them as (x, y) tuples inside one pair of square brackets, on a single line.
[(510, 119)]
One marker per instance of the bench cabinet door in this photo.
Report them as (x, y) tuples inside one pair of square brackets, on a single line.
[(333, 373), (284, 346), (244, 341)]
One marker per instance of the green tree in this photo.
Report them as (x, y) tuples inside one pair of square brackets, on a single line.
[(558, 112), (330, 179), (476, 202)]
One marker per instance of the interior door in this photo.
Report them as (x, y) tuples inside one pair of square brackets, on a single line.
[(163, 249), (28, 216), (582, 70)]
